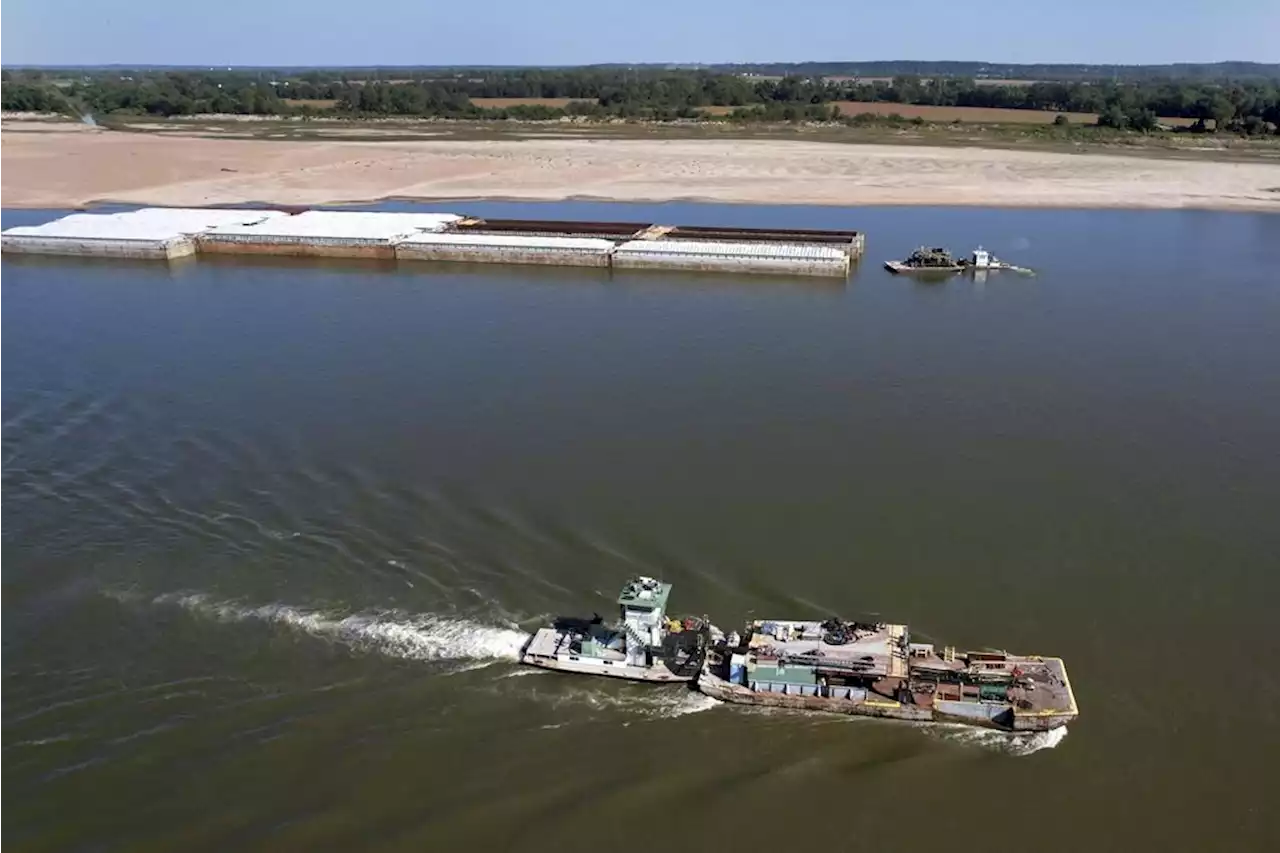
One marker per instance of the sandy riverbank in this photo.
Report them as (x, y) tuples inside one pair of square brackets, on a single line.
[(70, 165)]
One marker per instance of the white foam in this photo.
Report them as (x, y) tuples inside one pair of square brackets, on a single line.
[(1008, 743), (401, 635), (643, 702), (688, 703)]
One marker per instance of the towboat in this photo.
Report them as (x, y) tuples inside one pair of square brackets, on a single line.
[(643, 645), (874, 669), (926, 260), (939, 260)]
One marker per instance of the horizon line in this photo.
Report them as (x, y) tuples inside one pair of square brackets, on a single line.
[(649, 63)]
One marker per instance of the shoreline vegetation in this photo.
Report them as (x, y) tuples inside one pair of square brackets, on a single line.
[(1229, 98)]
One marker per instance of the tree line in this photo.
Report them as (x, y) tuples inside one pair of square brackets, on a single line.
[(1250, 105)]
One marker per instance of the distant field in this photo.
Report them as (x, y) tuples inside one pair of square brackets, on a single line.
[(314, 103), (887, 80), (863, 80), (502, 103), (988, 82)]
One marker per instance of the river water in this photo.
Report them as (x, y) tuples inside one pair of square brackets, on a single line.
[(274, 533)]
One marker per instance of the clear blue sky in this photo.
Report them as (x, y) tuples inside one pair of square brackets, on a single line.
[(570, 32)]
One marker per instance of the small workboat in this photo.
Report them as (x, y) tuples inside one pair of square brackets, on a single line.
[(926, 260), (939, 260)]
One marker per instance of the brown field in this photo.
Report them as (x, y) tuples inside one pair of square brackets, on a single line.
[(502, 103), (314, 103)]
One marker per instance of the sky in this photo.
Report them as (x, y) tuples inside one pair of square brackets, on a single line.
[(575, 32)]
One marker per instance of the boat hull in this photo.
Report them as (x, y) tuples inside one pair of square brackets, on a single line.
[(717, 688), (899, 268), (552, 648), (657, 674)]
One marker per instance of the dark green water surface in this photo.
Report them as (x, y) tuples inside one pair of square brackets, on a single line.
[(273, 533)]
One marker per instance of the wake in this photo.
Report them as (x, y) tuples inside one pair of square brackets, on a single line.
[(423, 637), (1006, 743)]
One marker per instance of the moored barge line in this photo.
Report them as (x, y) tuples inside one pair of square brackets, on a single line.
[(168, 233)]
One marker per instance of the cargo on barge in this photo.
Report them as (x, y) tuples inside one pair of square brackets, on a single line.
[(874, 669)]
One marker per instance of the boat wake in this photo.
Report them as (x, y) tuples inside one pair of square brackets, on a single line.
[(425, 637), (644, 701), (1006, 743)]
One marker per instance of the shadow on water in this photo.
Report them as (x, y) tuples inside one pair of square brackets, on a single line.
[(507, 273), (286, 262)]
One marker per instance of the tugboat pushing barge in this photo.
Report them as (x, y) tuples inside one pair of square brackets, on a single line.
[(874, 669), (644, 645), (867, 668)]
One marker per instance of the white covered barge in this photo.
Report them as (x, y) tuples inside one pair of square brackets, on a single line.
[(152, 233), (168, 233), (323, 233)]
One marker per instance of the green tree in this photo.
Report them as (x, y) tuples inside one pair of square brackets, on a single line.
[(1113, 116), (1142, 119)]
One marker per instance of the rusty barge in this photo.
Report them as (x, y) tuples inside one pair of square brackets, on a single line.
[(873, 669)]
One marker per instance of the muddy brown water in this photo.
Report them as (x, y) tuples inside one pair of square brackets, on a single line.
[(274, 531)]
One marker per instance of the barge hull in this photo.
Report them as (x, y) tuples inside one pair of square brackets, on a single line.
[(718, 688), (653, 675), (168, 233), (899, 268)]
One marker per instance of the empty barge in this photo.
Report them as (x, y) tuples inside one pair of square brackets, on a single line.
[(874, 669), (169, 233)]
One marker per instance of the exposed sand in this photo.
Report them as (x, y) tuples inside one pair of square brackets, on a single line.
[(77, 166)]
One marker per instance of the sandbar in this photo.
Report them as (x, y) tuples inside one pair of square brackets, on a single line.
[(61, 166)]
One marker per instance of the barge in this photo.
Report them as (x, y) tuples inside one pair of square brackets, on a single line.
[(873, 669), (644, 645), (169, 233)]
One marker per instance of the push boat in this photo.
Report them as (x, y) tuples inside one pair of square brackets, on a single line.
[(874, 669), (644, 645)]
